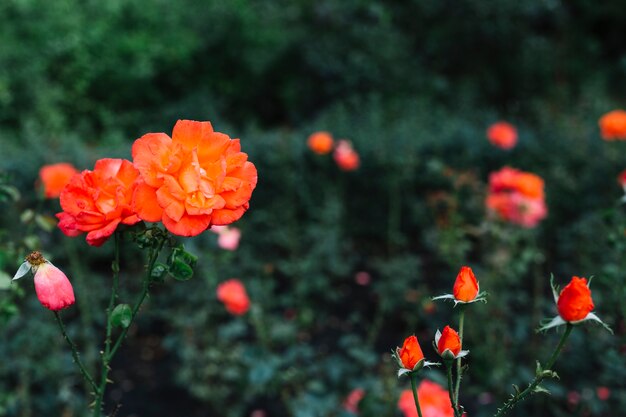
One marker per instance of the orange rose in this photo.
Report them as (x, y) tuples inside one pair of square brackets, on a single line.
[(195, 179), (503, 135), (233, 294), (613, 125), (55, 177), (448, 343), (97, 201), (320, 142), (346, 157), (575, 303), (465, 286), (410, 356)]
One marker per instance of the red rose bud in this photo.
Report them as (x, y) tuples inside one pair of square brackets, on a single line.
[(53, 289), (448, 344), (575, 303), (465, 287)]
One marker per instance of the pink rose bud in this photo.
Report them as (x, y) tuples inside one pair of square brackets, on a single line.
[(53, 289)]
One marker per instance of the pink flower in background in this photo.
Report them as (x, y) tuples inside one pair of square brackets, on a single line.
[(53, 289), (517, 197), (603, 393), (363, 278), (503, 135), (434, 401), (233, 294), (228, 237), (345, 156), (351, 404)]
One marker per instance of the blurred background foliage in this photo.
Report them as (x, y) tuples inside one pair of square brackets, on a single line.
[(413, 85)]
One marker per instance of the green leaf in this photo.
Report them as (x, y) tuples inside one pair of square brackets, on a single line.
[(158, 272), (539, 389), (121, 316), (180, 270), (5, 280)]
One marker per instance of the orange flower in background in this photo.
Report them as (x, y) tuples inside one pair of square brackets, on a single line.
[(575, 301), (97, 201), (465, 286), (195, 179), (433, 398), (53, 289), (55, 177), (517, 197), (321, 143), (346, 157), (233, 294), (448, 344), (613, 125), (503, 135)]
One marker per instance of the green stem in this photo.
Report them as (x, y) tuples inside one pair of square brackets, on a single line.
[(451, 387), (154, 254), (512, 402), (414, 388), (106, 355), (75, 354), (459, 369)]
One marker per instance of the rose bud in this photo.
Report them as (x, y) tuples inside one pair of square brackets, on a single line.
[(465, 290), (448, 344), (53, 289), (410, 357), (574, 304)]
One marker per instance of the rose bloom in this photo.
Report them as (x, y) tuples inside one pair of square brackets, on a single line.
[(233, 294), (613, 125), (465, 286), (518, 209), (346, 157), (351, 404), (503, 135), (433, 398), (55, 177), (517, 197), (321, 143), (53, 289), (411, 353), (98, 201), (575, 303), (193, 180)]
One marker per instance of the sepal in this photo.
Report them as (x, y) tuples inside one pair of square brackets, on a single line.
[(22, 270)]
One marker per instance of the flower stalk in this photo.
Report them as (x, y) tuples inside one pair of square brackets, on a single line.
[(541, 374), (413, 378)]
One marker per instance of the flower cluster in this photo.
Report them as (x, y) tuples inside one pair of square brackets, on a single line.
[(189, 182), (345, 156), (503, 135), (517, 197), (613, 125)]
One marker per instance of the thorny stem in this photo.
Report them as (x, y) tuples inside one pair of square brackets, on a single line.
[(450, 386), (512, 402), (75, 354), (459, 369), (111, 348), (414, 388)]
